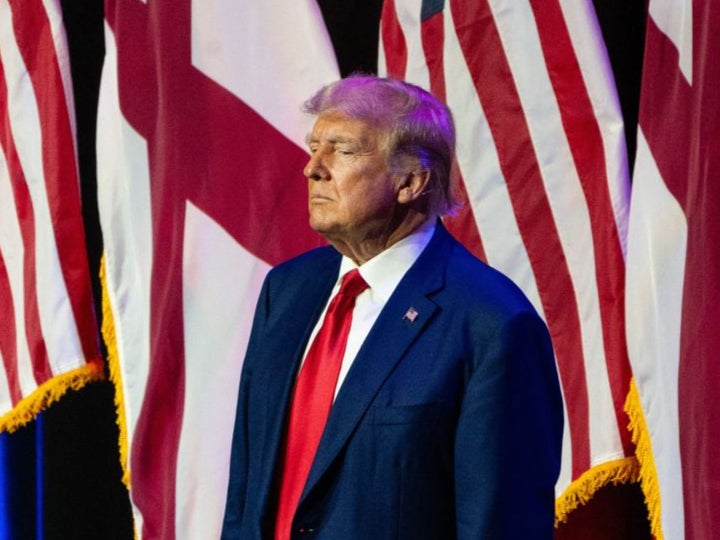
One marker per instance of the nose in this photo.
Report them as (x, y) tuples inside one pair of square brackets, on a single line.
[(315, 169)]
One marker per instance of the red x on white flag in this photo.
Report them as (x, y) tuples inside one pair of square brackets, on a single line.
[(673, 271), (200, 158)]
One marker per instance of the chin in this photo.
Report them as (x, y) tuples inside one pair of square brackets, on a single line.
[(317, 225), (319, 222)]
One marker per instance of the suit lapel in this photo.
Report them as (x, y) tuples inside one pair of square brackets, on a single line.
[(392, 334), (302, 303)]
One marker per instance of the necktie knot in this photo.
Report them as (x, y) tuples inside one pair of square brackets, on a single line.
[(352, 284)]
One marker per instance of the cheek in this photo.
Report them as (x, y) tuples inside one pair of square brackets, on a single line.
[(370, 205)]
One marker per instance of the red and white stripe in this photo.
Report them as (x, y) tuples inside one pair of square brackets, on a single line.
[(47, 327), (673, 276), (200, 156), (542, 160)]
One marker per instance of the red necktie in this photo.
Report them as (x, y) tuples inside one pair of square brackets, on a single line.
[(312, 398)]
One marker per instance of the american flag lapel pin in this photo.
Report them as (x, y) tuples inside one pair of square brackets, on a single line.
[(410, 315)]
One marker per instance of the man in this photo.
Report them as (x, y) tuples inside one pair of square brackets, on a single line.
[(422, 404)]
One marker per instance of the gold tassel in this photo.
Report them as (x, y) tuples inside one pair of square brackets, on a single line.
[(579, 492), (108, 332), (50, 392), (648, 472)]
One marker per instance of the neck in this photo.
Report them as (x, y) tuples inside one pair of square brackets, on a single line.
[(368, 245)]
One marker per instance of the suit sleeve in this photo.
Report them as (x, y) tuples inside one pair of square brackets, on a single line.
[(239, 458), (509, 436)]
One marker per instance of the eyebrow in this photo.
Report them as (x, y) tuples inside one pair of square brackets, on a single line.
[(337, 139)]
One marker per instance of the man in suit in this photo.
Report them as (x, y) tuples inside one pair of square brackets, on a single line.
[(423, 404)]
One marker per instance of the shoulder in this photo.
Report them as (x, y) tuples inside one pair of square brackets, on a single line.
[(495, 313), (311, 263), (294, 287), (478, 285)]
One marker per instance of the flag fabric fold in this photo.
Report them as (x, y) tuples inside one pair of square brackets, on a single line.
[(673, 279), (200, 188), (48, 333), (542, 166)]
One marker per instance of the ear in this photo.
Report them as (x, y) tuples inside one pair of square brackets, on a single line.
[(413, 185)]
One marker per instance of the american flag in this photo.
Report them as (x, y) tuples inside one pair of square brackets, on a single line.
[(673, 272), (200, 158), (48, 334), (542, 165)]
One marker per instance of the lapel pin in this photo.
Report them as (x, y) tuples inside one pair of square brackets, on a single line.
[(410, 315)]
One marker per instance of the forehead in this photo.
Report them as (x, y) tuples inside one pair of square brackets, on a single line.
[(337, 127)]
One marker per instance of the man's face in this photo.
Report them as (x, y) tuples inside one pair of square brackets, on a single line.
[(351, 191)]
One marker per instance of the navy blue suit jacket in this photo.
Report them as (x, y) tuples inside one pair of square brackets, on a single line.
[(448, 426)]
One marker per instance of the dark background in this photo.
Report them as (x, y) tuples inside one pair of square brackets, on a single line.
[(76, 489)]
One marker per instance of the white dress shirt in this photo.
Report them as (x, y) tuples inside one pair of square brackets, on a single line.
[(382, 273)]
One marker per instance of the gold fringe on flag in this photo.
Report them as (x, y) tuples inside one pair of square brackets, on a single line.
[(108, 332), (579, 492), (648, 473), (50, 392)]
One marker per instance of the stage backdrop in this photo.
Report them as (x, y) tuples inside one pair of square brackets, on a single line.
[(200, 148)]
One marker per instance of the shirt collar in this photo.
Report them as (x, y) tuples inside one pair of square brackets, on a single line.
[(384, 271)]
